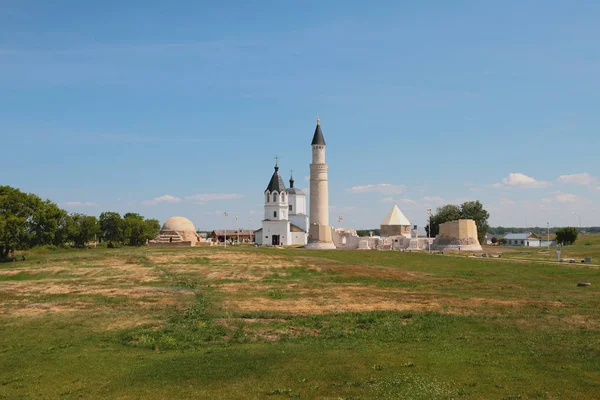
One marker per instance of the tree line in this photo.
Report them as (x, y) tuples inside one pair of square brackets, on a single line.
[(27, 221), (538, 230)]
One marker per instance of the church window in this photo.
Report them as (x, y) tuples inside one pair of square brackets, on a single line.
[(274, 196), (290, 207), (274, 214), (267, 197), (282, 196)]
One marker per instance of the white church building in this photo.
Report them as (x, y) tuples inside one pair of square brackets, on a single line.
[(285, 221)]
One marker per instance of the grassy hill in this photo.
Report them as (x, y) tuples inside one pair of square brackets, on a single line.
[(250, 323)]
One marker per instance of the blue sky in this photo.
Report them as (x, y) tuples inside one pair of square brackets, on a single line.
[(179, 108)]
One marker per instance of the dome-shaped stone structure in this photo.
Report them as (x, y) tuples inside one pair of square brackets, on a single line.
[(177, 231), (181, 224)]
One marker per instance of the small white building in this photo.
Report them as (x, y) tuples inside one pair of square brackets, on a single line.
[(526, 239), (285, 220), (395, 223)]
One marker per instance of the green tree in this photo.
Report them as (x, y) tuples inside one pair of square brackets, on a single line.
[(26, 220), (14, 213), (474, 210), (64, 230), (137, 230), (151, 229), (83, 229), (45, 222), (468, 210), (111, 227), (446, 213), (566, 235)]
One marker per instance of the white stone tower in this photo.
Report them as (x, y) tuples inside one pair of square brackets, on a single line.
[(319, 234)]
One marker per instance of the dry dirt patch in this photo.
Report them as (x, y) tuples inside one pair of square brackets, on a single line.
[(35, 309), (229, 265), (358, 298), (117, 277)]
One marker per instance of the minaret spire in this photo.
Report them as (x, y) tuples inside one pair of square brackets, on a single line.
[(319, 234)]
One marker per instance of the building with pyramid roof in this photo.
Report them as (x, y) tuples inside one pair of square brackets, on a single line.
[(395, 224)]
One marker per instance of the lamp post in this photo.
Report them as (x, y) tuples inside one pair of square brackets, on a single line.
[(429, 230), (225, 237), (579, 216), (237, 227), (548, 227)]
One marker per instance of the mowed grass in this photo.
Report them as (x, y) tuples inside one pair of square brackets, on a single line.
[(246, 323)]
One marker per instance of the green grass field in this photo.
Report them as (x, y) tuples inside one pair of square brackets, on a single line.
[(247, 323)]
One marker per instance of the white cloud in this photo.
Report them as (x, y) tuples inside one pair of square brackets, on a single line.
[(217, 212), (518, 180), (343, 209), (385, 188), (584, 179), (214, 196), (565, 198), (506, 201), (407, 201), (79, 203), (393, 200), (167, 198), (433, 199)]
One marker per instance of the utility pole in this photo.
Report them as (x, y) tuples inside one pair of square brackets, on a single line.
[(237, 227), (250, 227), (548, 227), (429, 230), (579, 216), (225, 228)]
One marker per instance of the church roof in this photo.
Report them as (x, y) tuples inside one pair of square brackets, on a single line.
[(296, 228), (292, 189), (318, 136), (276, 183), (395, 217)]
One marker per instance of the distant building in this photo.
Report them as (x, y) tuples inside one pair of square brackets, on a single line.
[(244, 235), (489, 238), (395, 223), (526, 239), (177, 231)]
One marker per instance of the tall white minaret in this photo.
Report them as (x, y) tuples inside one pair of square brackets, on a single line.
[(319, 233)]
